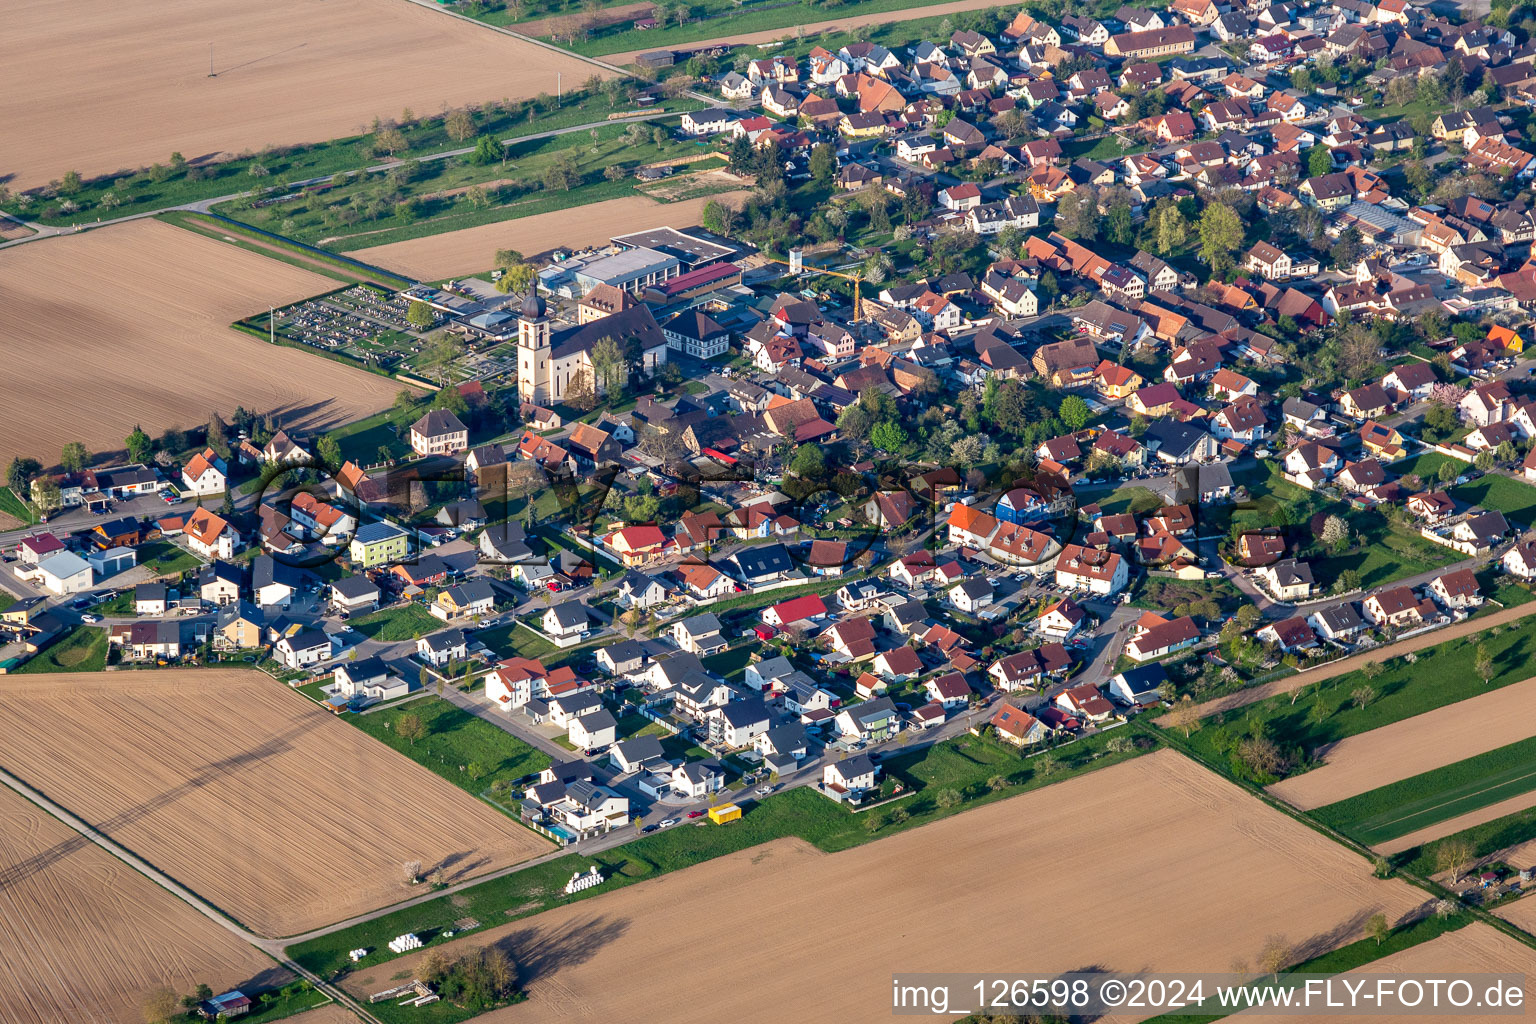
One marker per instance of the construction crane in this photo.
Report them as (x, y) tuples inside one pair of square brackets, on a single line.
[(857, 279)]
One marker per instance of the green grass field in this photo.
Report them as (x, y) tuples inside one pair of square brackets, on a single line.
[(82, 649), (1515, 499), (1442, 675), (513, 640), (1410, 804), (964, 765), (162, 558), (1384, 554), (402, 622), (14, 506), (455, 741), (1486, 839)]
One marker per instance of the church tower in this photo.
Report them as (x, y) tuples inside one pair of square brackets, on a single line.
[(533, 350)]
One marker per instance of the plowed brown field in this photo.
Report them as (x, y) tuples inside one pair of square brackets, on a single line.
[(265, 805), (87, 938), (472, 250), (1475, 949), (1415, 745), (129, 325), (97, 88), (1154, 864)]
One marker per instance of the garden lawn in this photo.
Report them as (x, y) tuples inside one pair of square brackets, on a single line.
[(403, 622), (516, 640), (1515, 499), (1441, 675), (962, 767), (455, 740), (1410, 804), (1383, 553), (82, 649), (163, 558)]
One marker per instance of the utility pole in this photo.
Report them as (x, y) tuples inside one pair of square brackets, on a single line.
[(272, 324), (559, 96), (210, 61)]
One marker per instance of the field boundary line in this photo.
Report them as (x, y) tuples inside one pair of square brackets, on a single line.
[(271, 947)]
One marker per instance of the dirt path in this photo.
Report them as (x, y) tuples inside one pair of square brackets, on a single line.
[(606, 16), (815, 28), (1254, 694), (217, 230)]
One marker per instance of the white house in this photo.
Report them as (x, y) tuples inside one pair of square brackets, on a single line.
[(851, 777), (206, 473), (593, 731), (439, 648), (306, 647)]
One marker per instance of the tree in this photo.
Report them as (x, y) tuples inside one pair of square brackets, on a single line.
[(1319, 161), (888, 436), (460, 125), (579, 393), (419, 315), (1378, 928), (1221, 232), (1360, 351), (1184, 715), (1074, 412), (1347, 250), (1172, 228), (1077, 215), (328, 450), (608, 367), (75, 457), (562, 175), (216, 436), (1274, 955), (997, 783), (161, 1006), (1483, 460), (1447, 472), (809, 462), (1454, 855), (410, 727), (1371, 669), (389, 141), (1483, 664), (1335, 531), (46, 496), (1360, 696), (411, 871), (946, 798), (823, 163), (488, 150), (140, 448), (1262, 757)]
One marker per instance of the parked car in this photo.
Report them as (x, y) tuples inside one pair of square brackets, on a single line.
[(668, 822), (649, 828), (695, 814), (90, 617)]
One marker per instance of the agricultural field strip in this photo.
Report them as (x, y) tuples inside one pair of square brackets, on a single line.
[(87, 938), (287, 72), (149, 294), (1422, 800), (161, 810), (1412, 746), (1229, 863)]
